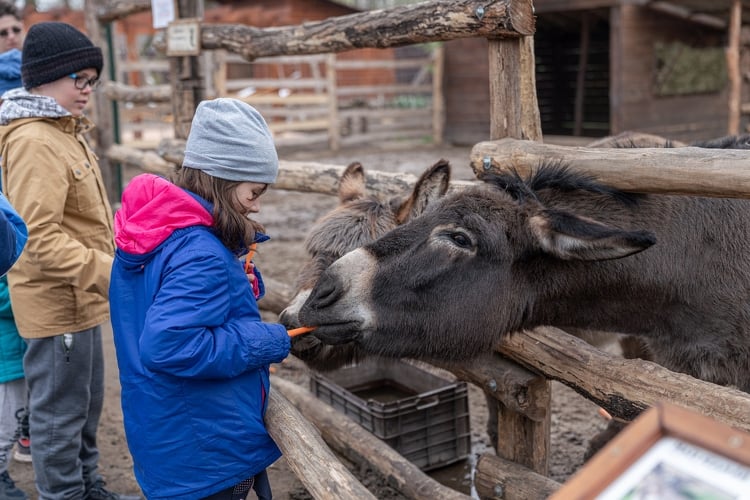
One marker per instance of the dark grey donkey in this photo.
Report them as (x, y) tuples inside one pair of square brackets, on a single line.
[(555, 249)]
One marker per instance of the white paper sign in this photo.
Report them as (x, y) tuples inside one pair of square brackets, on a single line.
[(162, 13)]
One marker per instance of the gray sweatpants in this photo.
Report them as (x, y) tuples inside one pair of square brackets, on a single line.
[(66, 393)]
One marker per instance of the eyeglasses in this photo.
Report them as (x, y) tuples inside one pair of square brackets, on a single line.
[(5, 32), (81, 81)]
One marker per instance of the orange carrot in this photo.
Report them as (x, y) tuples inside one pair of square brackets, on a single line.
[(249, 257), (299, 331)]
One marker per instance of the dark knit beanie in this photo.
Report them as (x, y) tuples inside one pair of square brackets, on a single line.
[(53, 50)]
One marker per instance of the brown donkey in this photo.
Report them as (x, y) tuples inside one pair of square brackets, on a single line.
[(357, 220), (556, 249)]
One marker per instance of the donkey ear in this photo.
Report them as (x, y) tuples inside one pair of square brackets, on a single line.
[(352, 183), (431, 185), (572, 237)]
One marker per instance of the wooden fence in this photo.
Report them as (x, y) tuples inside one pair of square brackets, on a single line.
[(309, 105), (527, 362)]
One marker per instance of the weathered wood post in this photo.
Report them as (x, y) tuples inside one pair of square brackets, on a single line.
[(514, 112), (186, 76), (103, 114), (733, 67)]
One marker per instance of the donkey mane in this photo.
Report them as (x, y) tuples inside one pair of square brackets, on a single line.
[(557, 176)]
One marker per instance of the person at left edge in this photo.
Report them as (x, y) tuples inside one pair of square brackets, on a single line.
[(13, 234), (59, 286)]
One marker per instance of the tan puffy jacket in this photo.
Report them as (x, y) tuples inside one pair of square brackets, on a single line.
[(52, 178)]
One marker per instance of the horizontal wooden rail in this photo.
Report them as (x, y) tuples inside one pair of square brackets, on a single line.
[(307, 455), (292, 100), (499, 478), (415, 62), (624, 387), (383, 89), (682, 170), (112, 10), (138, 95), (433, 21)]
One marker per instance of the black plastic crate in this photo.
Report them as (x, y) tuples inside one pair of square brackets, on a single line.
[(422, 416)]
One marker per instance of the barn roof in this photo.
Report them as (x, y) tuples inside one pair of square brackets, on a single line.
[(709, 12)]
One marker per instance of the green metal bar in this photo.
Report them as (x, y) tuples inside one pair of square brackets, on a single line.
[(115, 107)]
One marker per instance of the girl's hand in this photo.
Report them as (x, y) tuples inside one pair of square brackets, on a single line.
[(252, 279), (250, 273)]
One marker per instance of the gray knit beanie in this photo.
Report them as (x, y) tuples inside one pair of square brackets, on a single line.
[(229, 139), (52, 50)]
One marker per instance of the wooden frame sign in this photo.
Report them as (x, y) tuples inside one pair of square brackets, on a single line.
[(184, 37), (667, 452)]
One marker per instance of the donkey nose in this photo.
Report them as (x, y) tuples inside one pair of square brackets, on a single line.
[(326, 292), (288, 319)]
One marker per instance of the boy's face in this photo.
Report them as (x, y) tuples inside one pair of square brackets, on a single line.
[(66, 92), (11, 33)]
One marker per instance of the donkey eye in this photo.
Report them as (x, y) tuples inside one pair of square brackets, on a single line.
[(460, 239)]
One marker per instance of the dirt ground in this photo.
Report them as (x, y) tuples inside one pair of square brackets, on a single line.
[(288, 216)]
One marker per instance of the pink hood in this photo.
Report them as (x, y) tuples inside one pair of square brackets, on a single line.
[(152, 209)]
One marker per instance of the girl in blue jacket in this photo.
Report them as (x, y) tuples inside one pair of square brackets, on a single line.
[(192, 351)]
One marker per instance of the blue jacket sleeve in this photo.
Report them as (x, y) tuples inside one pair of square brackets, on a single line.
[(13, 235), (205, 323)]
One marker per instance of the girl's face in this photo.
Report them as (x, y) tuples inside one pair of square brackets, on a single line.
[(246, 197)]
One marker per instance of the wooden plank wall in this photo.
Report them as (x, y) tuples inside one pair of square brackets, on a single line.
[(467, 93), (686, 118)]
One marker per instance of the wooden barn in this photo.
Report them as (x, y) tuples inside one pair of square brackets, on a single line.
[(606, 66)]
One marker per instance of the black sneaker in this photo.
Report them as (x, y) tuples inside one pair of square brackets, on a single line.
[(8, 488), (97, 491), (22, 452)]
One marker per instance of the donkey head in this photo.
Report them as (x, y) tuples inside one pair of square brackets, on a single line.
[(357, 220), (448, 284)]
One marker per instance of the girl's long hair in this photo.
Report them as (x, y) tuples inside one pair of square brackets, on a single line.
[(235, 231)]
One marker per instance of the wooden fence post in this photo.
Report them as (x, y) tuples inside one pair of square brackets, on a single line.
[(103, 107), (334, 127), (438, 98), (733, 67), (186, 77), (514, 112)]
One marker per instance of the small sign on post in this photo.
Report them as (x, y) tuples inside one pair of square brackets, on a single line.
[(184, 37), (163, 12)]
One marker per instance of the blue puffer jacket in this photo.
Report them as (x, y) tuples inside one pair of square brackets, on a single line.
[(10, 70), (192, 350), (12, 346), (13, 235)]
